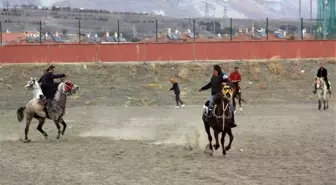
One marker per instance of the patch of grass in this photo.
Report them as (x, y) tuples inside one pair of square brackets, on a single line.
[(276, 67), (253, 70)]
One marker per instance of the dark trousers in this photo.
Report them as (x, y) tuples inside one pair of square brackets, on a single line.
[(177, 99)]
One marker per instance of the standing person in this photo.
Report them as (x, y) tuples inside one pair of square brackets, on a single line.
[(322, 73), (177, 92), (48, 86)]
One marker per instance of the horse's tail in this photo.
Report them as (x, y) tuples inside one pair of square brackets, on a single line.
[(20, 113)]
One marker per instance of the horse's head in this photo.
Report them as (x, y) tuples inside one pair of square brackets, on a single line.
[(319, 82), (220, 97), (67, 87), (32, 84)]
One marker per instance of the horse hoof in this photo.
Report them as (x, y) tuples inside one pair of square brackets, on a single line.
[(241, 109), (27, 141), (224, 153), (227, 148), (216, 147)]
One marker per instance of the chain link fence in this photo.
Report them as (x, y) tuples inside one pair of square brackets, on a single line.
[(75, 28)]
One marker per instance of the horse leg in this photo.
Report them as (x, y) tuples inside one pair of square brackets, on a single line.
[(324, 105), (234, 101), (207, 129), (239, 101), (39, 128), (319, 105), (223, 140), (28, 121), (228, 147), (216, 146), (64, 126), (58, 128)]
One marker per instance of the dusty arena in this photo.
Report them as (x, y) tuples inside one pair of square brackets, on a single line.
[(123, 128)]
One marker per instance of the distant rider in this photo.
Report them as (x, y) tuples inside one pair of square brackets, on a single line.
[(322, 73), (235, 77), (218, 77), (48, 86)]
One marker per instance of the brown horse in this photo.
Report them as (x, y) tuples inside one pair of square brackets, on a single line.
[(220, 122), (34, 109)]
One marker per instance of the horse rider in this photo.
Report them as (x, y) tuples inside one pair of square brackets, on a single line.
[(42, 97), (235, 78), (48, 86), (218, 77), (322, 73), (41, 79)]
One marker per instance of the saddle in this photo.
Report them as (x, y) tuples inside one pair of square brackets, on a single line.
[(42, 100)]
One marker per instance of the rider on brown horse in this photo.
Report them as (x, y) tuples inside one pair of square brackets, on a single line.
[(48, 86), (235, 77), (218, 77)]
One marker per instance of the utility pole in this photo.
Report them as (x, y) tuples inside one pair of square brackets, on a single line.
[(299, 26), (325, 11), (311, 16), (206, 12)]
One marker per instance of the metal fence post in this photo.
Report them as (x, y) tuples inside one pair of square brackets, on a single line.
[(194, 29), (156, 30), (266, 28), (40, 32), (0, 33), (118, 32), (301, 28), (231, 29), (79, 31)]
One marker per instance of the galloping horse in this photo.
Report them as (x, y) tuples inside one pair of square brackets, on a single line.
[(237, 94), (322, 93), (220, 122), (34, 109)]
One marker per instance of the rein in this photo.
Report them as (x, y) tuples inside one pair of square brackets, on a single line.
[(223, 116)]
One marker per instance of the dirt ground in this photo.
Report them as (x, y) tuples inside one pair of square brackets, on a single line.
[(123, 128)]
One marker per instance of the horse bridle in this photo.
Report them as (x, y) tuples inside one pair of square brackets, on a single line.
[(224, 109)]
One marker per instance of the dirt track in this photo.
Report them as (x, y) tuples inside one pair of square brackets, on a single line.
[(281, 139), (273, 145)]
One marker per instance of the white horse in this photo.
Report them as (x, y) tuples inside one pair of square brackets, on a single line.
[(322, 93), (33, 86)]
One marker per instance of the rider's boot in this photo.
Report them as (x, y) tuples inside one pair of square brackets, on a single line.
[(233, 115), (233, 121), (209, 113), (49, 104)]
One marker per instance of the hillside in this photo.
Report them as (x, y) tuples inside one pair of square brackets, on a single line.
[(191, 8)]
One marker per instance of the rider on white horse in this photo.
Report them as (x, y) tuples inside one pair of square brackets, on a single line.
[(322, 73), (48, 86)]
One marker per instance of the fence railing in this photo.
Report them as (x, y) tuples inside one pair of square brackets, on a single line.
[(146, 29), (142, 52)]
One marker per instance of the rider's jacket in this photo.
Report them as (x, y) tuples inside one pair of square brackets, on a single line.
[(322, 72), (48, 86), (215, 84)]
